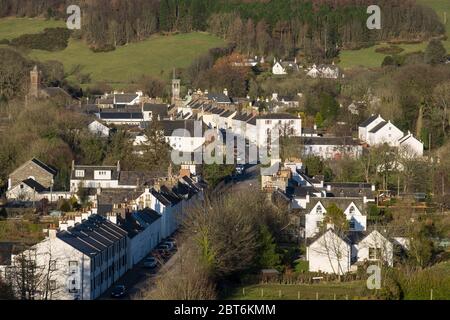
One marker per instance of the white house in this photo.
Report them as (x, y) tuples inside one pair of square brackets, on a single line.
[(329, 253), (283, 67), (375, 247), (323, 71), (98, 128), (331, 148), (81, 260), (341, 252), (283, 124), (385, 132), (375, 130), (409, 145), (315, 217), (181, 135)]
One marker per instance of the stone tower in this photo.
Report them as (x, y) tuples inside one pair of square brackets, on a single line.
[(35, 83), (176, 88)]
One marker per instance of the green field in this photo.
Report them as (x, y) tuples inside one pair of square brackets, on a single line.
[(156, 56), (11, 28), (369, 58), (322, 291)]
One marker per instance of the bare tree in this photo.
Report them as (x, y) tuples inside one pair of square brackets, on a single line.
[(32, 273)]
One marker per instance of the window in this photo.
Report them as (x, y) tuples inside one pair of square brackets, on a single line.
[(374, 253), (79, 173), (352, 224), (52, 285), (52, 265), (319, 210), (352, 210), (318, 224)]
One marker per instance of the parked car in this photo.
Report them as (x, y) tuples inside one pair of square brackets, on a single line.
[(171, 245), (240, 169), (150, 263), (164, 250), (119, 291)]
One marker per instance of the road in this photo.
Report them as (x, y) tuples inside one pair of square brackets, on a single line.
[(139, 278)]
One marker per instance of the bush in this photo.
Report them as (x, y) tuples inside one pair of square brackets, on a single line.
[(53, 39), (103, 48), (391, 50), (301, 266)]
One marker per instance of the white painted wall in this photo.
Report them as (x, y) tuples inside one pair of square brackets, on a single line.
[(329, 254)]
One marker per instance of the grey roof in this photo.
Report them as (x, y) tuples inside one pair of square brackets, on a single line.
[(160, 110), (93, 235), (121, 115), (89, 172), (378, 127), (147, 215), (117, 196), (219, 97), (132, 178), (349, 190), (341, 203), (161, 198), (368, 121), (44, 166), (329, 141), (56, 91), (350, 237), (276, 116), (33, 184), (125, 98), (169, 126)]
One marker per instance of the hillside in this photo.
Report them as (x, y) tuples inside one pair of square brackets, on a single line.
[(156, 56), (367, 57), (13, 27)]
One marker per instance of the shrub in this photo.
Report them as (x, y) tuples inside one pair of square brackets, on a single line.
[(52, 39)]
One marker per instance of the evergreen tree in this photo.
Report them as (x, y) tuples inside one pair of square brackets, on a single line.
[(435, 52)]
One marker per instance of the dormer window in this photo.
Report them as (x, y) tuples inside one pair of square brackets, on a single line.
[(79, 173), (352, 210)]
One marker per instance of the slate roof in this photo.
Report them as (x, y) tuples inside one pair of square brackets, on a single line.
[(56, 91), (341, 203), (378, 127), (276, 116), (121, 115), (368, 121), (169, 126), (219, 97), (125, 98), (89, 172), (147, 215), (44, 166), (329, 141), (131, 178), (160, 110), (92, 236), (33, 184)]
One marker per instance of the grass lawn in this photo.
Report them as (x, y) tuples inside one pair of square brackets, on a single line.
[(369, 58), (11, 28), (157, 56), (325, 291)]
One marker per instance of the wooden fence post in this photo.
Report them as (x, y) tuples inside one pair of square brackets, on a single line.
[(317, 296), (431, 294), (298, 295), (243, 291), (279, 293), (262, 292)]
